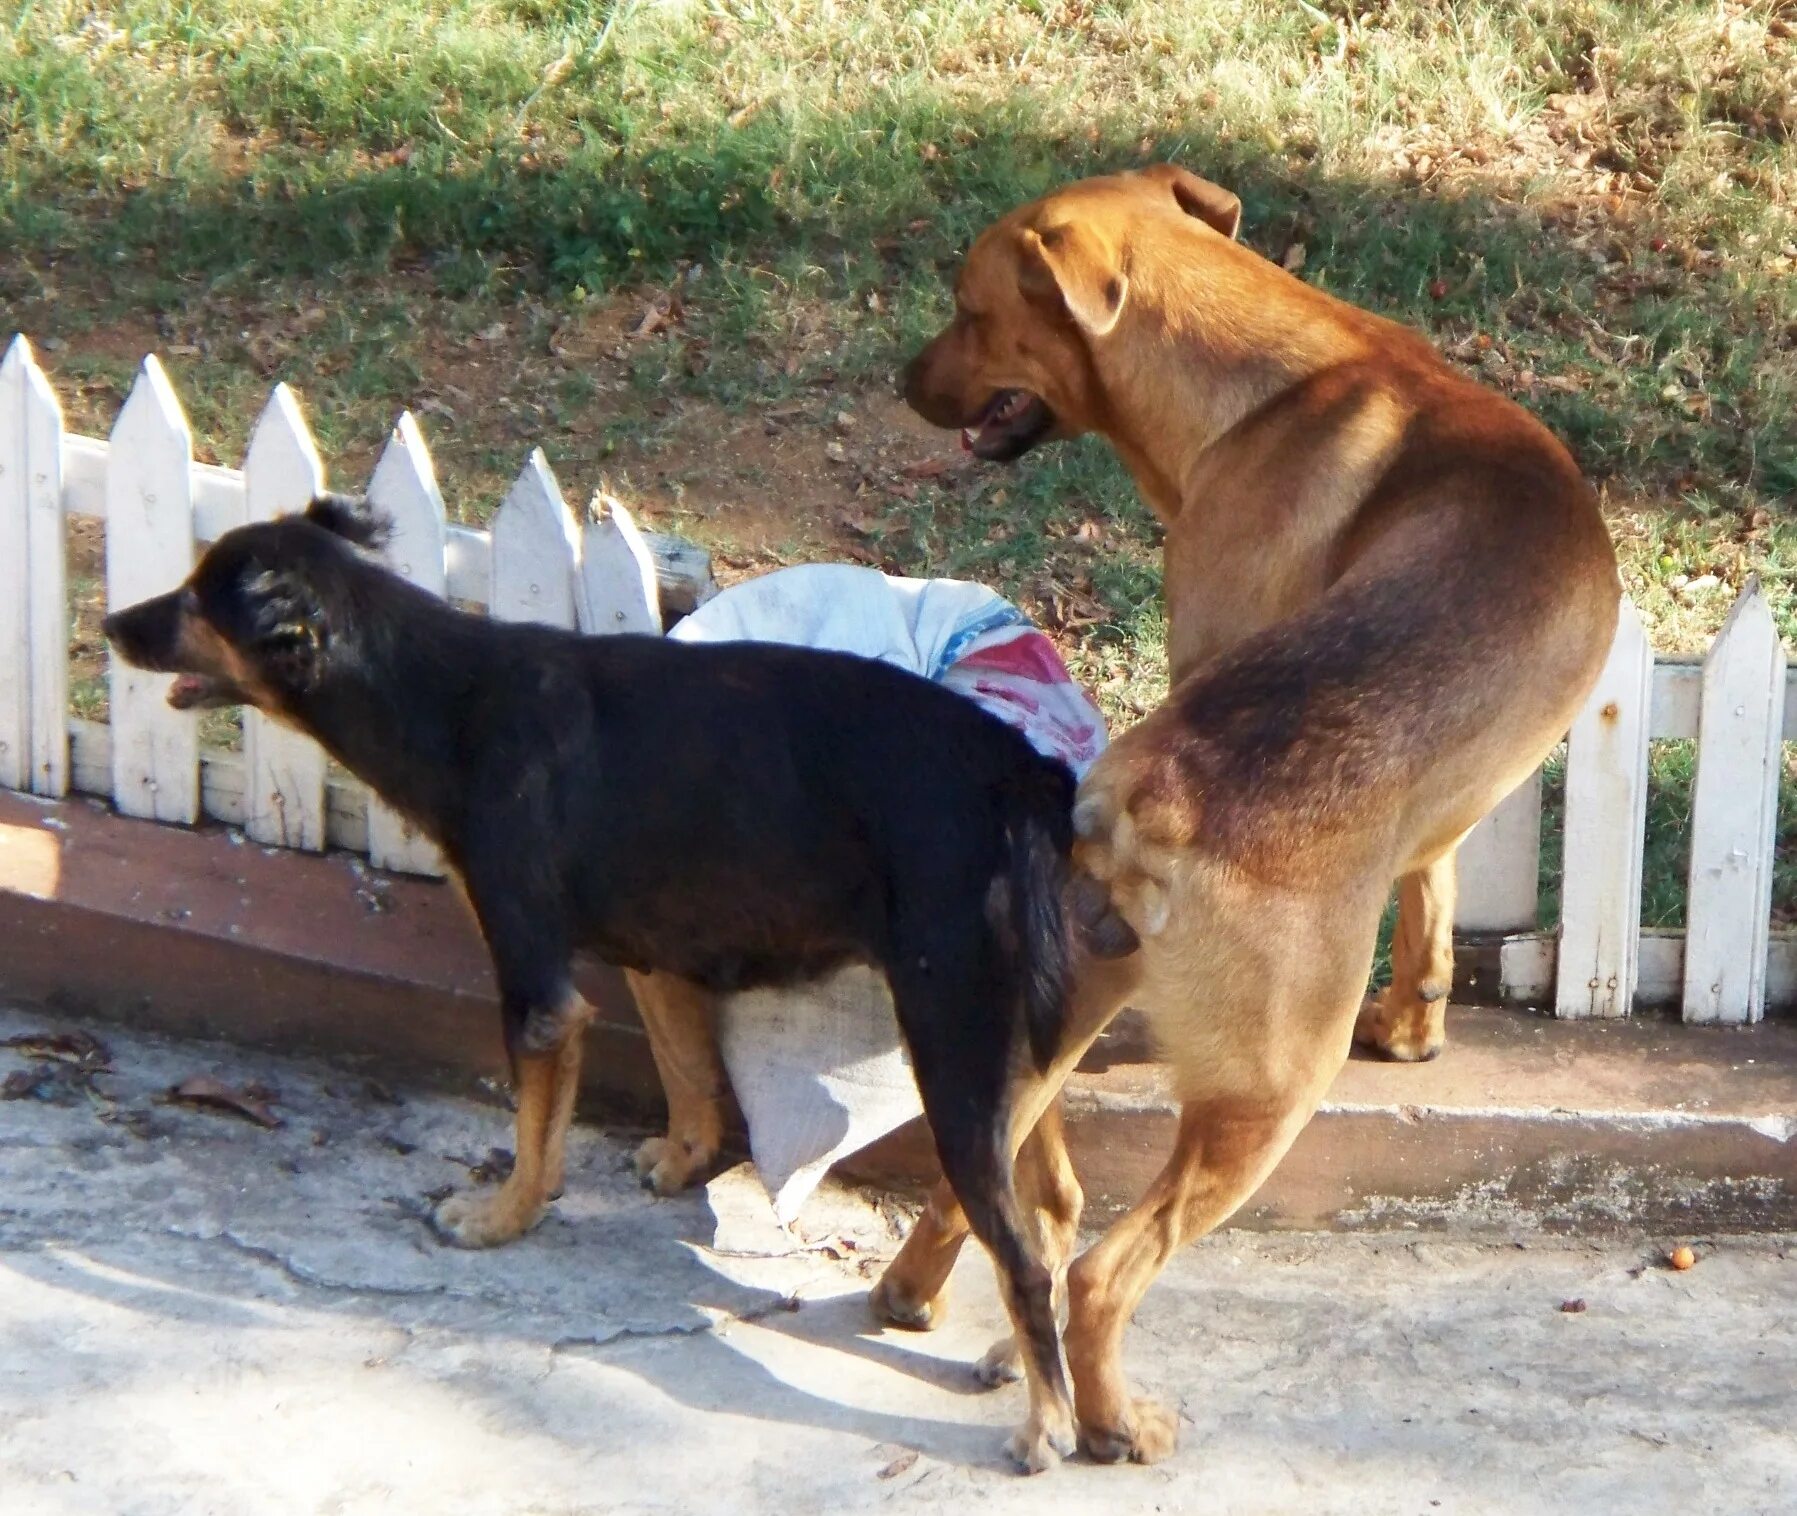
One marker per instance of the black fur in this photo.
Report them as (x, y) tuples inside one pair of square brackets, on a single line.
[(740, 814)]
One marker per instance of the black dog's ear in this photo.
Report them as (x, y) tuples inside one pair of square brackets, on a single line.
[(288, 630), (350, 517)]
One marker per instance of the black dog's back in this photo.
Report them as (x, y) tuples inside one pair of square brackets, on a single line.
[(750, 813)]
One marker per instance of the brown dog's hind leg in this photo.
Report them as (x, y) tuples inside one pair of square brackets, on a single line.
[(1407, 1020), (681, 1020), (913, 1292), (1223, 1151)]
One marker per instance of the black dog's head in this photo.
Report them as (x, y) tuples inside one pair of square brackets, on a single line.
[(253, 623)]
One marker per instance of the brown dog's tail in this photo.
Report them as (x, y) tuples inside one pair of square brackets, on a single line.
[(1038, 836), (1102, 930)]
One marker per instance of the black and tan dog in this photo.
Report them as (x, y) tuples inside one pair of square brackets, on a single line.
[(1389, 591), (712, 817)]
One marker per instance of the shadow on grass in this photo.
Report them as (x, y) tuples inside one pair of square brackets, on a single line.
[(845, 205)]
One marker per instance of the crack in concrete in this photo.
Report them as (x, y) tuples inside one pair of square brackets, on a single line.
[(304, 1277), (718, 1320)]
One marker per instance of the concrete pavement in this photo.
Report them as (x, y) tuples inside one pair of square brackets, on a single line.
[(201, 1315)]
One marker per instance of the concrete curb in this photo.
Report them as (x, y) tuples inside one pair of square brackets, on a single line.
[(1525, 1123)]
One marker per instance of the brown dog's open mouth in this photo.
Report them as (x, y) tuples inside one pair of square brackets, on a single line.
[(1012, 423)]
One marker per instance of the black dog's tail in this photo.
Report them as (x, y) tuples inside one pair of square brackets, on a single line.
[(1038, 838)]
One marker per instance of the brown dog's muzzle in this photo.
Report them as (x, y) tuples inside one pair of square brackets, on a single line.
[(924, 396), (998, 425)]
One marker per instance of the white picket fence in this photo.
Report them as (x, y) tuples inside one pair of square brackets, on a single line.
[(539, 563)]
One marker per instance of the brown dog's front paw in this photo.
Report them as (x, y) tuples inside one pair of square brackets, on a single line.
[(892, 1303), (1149, 1434), (1410, 1031), (1002, 1364), (484, 1219), (1037, 1448), (668, 1166)]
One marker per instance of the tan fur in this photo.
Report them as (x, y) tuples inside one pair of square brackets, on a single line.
[(546, 1084), (681, 1020), (1388, 591)]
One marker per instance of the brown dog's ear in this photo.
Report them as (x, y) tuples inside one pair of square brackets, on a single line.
[(1070, 262), (1199, 198)]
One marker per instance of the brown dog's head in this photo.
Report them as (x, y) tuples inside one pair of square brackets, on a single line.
[(1038, 292), (252, 624)]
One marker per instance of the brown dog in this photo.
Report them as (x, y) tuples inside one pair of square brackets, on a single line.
[(1389, 591)]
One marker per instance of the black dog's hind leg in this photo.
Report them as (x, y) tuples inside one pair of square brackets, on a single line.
[(1052, 1199), (966, 1046), (543, 1019), (912, 1292)]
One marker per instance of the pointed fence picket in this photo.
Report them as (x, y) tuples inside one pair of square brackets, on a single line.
[(149, 550), (1606, 819), (540, 562), (404, 489), (617, 575), (34, 681), (536, 550), (1734, 816), (284, 801)]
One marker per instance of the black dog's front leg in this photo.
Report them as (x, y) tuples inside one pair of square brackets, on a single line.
[(544, 1017)]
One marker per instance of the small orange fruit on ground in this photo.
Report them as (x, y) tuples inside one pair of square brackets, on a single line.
[(1681, 1258)]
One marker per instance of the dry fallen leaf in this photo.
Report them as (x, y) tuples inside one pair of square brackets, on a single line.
[(29, 1084), (496, 1165), (899, 1465), (1572, 1307), (926, 468), (79, 1048), (203, 1092)]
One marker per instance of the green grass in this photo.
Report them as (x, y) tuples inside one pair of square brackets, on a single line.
[(1587, 202), (1599, 189)]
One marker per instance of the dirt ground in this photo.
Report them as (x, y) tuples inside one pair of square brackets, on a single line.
[(815, 477)]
